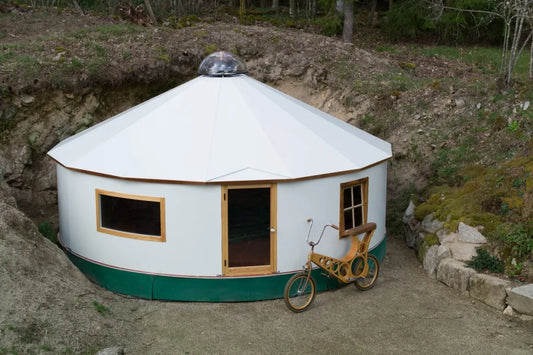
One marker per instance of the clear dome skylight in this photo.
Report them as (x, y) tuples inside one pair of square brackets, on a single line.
[(222, 64)]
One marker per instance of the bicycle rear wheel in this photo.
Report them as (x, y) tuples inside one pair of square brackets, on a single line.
[(299, 292), (366, 283)]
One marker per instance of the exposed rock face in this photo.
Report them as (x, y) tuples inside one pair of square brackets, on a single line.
[(33, 125)]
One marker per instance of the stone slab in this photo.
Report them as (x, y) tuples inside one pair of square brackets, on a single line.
[(489, 290), (521, 299), (454, 274)]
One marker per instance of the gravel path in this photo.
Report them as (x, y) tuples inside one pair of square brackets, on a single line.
[(406, 312)]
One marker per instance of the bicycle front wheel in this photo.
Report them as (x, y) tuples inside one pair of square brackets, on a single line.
[(299, 292), (366, 283)]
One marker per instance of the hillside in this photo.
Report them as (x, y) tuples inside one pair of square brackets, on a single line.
[(61, 72)]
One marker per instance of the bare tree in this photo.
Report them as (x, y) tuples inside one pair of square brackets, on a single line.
[(517, 16), (347, 30)]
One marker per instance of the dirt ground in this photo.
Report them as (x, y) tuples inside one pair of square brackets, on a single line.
[(406, 312)]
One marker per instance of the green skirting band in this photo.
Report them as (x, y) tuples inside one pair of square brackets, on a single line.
[(215, 289)]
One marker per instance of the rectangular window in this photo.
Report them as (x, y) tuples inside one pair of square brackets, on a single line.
[(354, 204), (130, 216)]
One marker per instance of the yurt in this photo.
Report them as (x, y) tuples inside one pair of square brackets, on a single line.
[(203, 193)]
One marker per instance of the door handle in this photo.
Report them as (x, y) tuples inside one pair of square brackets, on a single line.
[(272, 230)]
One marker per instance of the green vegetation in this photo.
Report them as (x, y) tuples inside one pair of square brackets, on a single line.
[(498, 198), (485, 261), (100, 308), (424, 244)]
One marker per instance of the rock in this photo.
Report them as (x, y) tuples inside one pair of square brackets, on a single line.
[(462, 251), (459, 102), (431, 225), (411, 226), (26, 100), (443, 252), (489, 290), (434, 255), (454, 274), (445, 237), (114, 350), (508, 311), (521, 299), (467, 234), (430, 262)]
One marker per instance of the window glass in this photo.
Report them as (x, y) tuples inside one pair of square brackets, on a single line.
[(131, 216), (357, 198), (354, 201)]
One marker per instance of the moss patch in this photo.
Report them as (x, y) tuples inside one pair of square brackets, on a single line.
[(498, 198), (425, 243)]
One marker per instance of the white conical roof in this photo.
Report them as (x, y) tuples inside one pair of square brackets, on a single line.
[(221, 129)]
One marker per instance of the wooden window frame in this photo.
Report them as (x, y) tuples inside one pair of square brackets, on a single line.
[(118, 233), (249, 270), (364, 199)]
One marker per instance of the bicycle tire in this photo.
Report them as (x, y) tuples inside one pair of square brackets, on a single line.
[(299, 292), (366, 283)]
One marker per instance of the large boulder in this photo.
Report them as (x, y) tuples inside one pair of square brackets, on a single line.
[(489, 290)]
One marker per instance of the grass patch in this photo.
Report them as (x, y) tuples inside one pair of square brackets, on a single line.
[(117, 30), (100, 308)]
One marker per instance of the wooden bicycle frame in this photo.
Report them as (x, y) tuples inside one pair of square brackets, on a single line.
[(341, 268)]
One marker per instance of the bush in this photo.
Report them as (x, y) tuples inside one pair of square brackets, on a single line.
[(330, 25), (414, 19), (408, 19), (516, 242), (485, 261)]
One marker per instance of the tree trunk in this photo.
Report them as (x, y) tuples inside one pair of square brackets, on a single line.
[(373, 14), (292, 8), (150, 11), (347, 31), (77, 7), (339, 6), (531, 57), (275, 5)]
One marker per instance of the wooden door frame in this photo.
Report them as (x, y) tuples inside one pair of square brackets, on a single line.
[(250, 270)]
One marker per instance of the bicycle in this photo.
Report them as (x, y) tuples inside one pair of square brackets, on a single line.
[(357, 267)]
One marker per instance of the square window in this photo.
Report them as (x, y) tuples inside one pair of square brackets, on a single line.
[(354, 201)]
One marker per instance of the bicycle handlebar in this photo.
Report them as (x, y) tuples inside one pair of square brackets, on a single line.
[(310, 242)]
